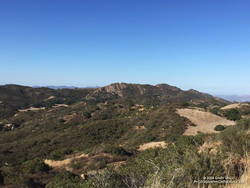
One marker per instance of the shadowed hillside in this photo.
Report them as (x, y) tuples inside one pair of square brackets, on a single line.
[(15, 97)]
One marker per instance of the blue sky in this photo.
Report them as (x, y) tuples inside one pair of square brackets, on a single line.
[(203, 45)]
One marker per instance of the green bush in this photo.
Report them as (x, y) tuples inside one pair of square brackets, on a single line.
[(28, 182), (116, 150), (185, 104), (97, 163), (232, 114), (76, 164), (244, 124), (178, 165), (34, 166), (219, 128), (59, 154), (106, 179), (189, 141), (65, 180), (235, 141), (103, 131), (215, 110)]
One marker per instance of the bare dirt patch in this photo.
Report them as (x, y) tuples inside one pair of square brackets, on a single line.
[(140, 127), (31, 109), (60, 105), (151, 145), (83, 164), (64, 163), (205, 121), (50, 97)]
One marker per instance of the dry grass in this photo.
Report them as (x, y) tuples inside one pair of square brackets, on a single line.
[(151, 145), (209, 147), (205, 121), (245, 178), (236, 105)]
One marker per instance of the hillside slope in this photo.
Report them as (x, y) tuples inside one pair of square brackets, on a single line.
[(108, 125)]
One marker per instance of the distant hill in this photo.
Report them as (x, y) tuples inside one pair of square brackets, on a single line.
[(57, 87), (236, 98), (65, 87), (14, 97)]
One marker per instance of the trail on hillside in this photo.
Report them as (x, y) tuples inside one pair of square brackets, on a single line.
[(64, 163)]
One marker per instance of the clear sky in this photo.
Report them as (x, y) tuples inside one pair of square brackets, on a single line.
[(200, 44)]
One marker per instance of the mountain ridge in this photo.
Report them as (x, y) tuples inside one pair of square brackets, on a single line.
[(161, 92), (16, 97)]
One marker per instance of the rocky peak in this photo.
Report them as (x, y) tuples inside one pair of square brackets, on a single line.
[(116, 87), (167, 87), (194, 91)]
